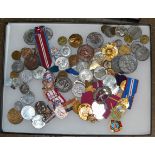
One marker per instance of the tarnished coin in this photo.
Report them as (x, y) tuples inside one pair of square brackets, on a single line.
[(81, 65), (108, 31), (85, 52), (142, 53), (135, 45), (109, 81), (29, 37), (128, 64), (62, 74), (40, 107), (118, 42), (115, 126), (99, 73), (14, 74), (115, 64), (78, 88), (65, 51), (49, 33), (31, 62), (18, 105), (106, 64), (85, 75), (144, 39), (37, 121), (25, 52), (28, 112), (124, 49), (60, 112), (64, 84), (16, 82), (18, 66), (16, 55), (39, 73), (26, 76), (75, 40), (14, 116), (24, 88), (28, 98), (135, 32), (73, 60), (62, 63), (128, 38), (121, 31), (49, 77), (62, 40), (95, 40)]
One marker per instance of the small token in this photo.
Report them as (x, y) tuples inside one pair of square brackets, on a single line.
[(75, 40), (28, 112), (65, 51), (99, 73), (60, 112), (14, 116), (62, 63), (128, 39), (26, 76), (62, 74), (18, 66), (14, 74), (28, 98), (81, 65), (24, 88), (124, 49), (25, 52), (16, 55), (62, 40), (121, 31), (135, 32), (39, 73), (85, 52), (85, 74), (95, 40), (78, 88), (144, 39), (115, 126), (37, 122), (73, 60), (18, 105)]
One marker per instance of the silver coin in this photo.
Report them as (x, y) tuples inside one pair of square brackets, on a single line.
[(18, 66), (121, 31), (135, 45), (99, 73), (18, 105), (142, 53), (16, 82), (24, 88), (37, 122), (29, 37), (128, 63), (107, 31), (78, 88), (62, 63), (60, 112), (118, 42), (95, 40), (135, 32), (115, 64), (49, 33), (39, 73), (65, 51), (26, 76), (109, 81), (28, 98), (85, 75), (98, 57), (28, 112), (81, 65)]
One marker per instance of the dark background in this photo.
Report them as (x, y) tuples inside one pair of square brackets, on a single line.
[(150, 21)]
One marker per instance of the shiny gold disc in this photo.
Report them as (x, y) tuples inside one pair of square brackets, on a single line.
[(62, 40), (16, 55), (75, 40), (124, 49), (144, 39)]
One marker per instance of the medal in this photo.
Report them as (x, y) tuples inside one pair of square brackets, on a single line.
[(144, 39), (37, 122), (62, 40), (28, 112), (75, 40)]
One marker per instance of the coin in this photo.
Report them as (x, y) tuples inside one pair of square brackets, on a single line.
[(124, 49), (118, 42), (14, 74), (25, 52), (85, 52), (18, 66), (75, 40), (40, 107), (18, 105), (85, 74), (24, 88), (28, 112), (65, 51), (121, 31), (95, 40), (62, 74), (14, 116), (115, 126), (128, 64), (26, 76), (49, 33), (135, 32), (135, 45), (64, 84), (16, 55), (142, 53), (99, 73), (62, 63), (108, 31), (29, 37), (99, 57), (115, 64), (16, 82), (109, 80), (39, 73), (28, 98), (37, 122), (128, 38), (78, 88), (144, 39), (81, 65), (73, 59), (62, 40)]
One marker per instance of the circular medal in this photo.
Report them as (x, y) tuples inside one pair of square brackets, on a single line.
[(121, 31), (85, 52), (81, 65), (65, 51), (16, 55), (28, 98), (62, 40), (124, 49), (73, 60), (135, 32), (75, 40), (109, 80), (115, 126), (118, 42), (40, 107), (16, 82), (144, 39), (128, 64), (108, 31), (115, 64), (49, 77), (29, 37), (28, 112), (25, 52), (18, 105), (135, 45), (78, 88), (39, 73), (37, 122), (64, 84), (62, 63), (18, 66), (128, 39), (14, 116), (24, 88), (14, 74), (26, 76), (60, 112), (99, 73), (95, 40), (85, 74)]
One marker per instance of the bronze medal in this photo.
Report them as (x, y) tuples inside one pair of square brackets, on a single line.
[(62, 40), (16, 55), (144, 39), (73, 59), (75, 40), (25, 52)]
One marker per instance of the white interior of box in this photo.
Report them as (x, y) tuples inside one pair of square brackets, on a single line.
[(135, 121)]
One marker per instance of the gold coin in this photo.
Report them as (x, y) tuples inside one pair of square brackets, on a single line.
[(62, 40), (14, 116), (124, 49), (128, 38), (75, 40), (14, 74), (91, 118), (73, 60), (76, 105), (144, 39), (16, 55), (62, 74), (25, 52)]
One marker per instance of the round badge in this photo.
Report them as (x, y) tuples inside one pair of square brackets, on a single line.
[(26, 76), (37, 122), (85, 75), (115, 126), (62, 63), (128, 63), (14, 116), (95, 40), (28, 98), (65, 51), (144, 39), (16, 55), (28, 112), (81, 65), (135, 32), (73, 60), (40, 107), (49, 77), (25, 52), (64, 84), (60, 112), (121, 31), (18, 66), (99, 73), (62, 40), (75, 40), (85, 52), (24, 88), (39, 73)]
